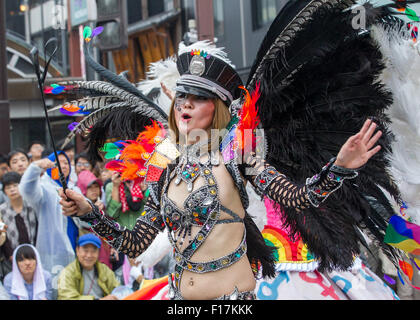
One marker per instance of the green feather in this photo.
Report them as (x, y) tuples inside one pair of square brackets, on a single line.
[(111, 150), (87, 31), (411, 14)]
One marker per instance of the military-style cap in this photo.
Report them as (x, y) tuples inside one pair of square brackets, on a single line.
[(205, 75)]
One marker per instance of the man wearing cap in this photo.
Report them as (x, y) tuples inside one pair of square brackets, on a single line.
[(86, 278)]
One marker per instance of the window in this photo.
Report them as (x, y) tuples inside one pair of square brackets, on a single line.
[(155, 7), (169, 5), (134, 12), (24, 131), (264, 12), (188, 11), (15, 19), (219, 24), (107, 7), (34, 3)]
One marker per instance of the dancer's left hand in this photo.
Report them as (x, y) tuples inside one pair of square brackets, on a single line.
[(358, 149)]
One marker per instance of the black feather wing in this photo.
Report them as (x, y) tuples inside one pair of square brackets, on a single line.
[(318, 84)]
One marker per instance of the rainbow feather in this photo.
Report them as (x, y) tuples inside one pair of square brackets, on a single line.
[(403, 235)]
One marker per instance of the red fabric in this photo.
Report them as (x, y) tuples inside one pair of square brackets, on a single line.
[(104, 254), (123, 198), (136, 194), (153, 173)]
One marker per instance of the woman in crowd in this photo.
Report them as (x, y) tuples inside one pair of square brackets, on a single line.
[(28, 280), (90, 186), (82, 163)]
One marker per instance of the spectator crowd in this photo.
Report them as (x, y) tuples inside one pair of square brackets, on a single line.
[(45, 255)]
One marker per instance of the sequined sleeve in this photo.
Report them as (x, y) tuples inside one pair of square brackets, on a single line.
[(130, 242), (267, 181)]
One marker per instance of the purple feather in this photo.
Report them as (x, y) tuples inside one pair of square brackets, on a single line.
[(97, 31), (389, 279), (72, 125), (67, 113)]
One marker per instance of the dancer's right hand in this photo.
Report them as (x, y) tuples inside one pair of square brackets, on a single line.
[(74, 203)]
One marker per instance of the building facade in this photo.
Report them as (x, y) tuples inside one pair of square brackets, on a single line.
[(238, 25), (153, 30)]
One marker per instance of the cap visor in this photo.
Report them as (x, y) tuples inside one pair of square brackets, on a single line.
[(97, 181), (195, 91), (90, 242)]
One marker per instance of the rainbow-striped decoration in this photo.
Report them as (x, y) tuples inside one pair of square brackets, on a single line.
[(149, 289), (200, 53), (403, 235), (287, 251)]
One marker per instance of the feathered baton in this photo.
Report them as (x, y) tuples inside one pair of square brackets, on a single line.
[(34, 55)]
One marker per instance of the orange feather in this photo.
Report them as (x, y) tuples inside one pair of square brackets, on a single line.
[(148, 135), (132, 151), (130, 172)]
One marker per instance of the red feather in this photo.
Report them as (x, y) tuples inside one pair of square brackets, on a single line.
[(249, 119), (115, 165)]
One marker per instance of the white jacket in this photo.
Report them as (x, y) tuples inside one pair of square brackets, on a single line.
[(52, 243)]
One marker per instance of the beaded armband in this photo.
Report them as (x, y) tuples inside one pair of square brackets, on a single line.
[(264, 179), (330, 179), (103, 226), (152, 218)]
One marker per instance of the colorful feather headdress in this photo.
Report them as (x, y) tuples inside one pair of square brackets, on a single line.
[(145, 158)]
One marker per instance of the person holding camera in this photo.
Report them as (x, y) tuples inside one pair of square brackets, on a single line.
[(57, 235)]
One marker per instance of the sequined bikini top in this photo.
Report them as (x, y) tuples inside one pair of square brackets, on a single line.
[(201, 208)]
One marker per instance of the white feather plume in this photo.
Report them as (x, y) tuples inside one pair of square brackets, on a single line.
[(256, 208), (159, 248), (401, 76), (162, 71)]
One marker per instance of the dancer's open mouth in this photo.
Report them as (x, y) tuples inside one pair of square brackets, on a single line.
[(185, 117)]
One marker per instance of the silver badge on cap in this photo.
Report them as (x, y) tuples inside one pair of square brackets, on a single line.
[(197, 65)]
